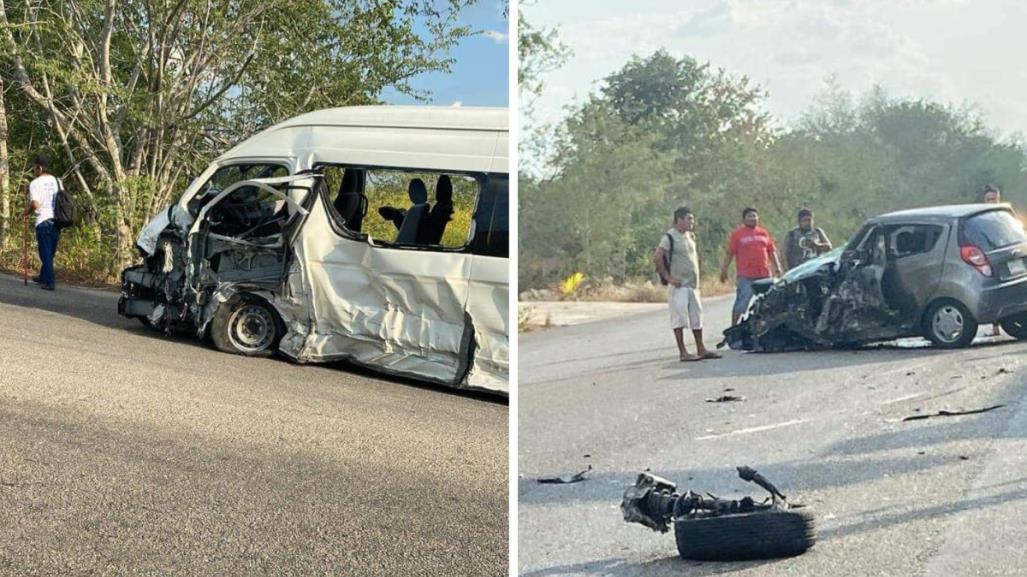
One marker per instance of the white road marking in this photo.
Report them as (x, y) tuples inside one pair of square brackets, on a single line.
[(753, 429)]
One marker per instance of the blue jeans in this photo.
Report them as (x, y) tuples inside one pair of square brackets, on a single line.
[(743, 295), (47, 235)]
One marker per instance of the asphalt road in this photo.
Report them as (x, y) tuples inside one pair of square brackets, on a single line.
[(125, 452), (936, 497)]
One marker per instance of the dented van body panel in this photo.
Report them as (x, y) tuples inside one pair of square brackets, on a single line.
[(429, 313)]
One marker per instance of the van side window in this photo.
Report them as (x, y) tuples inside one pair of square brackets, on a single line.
[(405, 207), (492, 220), (229, 175)]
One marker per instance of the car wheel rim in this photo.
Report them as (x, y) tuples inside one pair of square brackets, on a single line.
[(948, 324), (251, 329)]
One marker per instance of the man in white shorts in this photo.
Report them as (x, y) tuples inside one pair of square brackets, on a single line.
[(678, 264)]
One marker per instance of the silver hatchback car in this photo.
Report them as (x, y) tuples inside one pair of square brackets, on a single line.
[(937, 272)]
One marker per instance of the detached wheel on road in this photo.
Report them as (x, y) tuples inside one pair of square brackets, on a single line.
[(764, 534), (246, 325), (949, 325), (1016, 326)]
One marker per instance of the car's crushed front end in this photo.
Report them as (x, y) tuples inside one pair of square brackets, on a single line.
[(816, 305)]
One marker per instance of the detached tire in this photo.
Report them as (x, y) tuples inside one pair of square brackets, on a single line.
[(949, 325), (1015, 326), (246, 325), (758, 535)]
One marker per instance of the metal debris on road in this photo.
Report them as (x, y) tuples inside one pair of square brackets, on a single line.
[(565, 480), (944, 413), (707, 527), (726, 399)]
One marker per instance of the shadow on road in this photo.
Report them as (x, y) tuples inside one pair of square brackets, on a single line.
[(101, 308), (666, 566)]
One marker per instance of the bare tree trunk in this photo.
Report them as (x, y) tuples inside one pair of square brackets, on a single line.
[(5, 173)]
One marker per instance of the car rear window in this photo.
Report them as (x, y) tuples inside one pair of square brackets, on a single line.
[(994, 229)]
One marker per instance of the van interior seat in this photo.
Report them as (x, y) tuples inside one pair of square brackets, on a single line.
[(441, 213), (351, 202), (416, 214)]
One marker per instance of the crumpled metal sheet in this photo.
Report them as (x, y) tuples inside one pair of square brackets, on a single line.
[(399, 311)]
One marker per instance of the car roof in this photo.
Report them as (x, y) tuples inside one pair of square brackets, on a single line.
[(937, 213)]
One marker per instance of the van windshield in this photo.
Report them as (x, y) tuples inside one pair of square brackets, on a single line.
[(994, 229)]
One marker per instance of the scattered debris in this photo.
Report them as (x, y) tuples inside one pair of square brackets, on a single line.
[(910, 373), (944, 413), (1003, 371), (964, 458), (566, 480), (707, 528), (726, 399)]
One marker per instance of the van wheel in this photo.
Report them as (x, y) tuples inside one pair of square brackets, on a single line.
[(246, 325), (949, 325), (1015, 326)]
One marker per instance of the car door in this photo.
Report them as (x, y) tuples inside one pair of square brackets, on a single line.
[(916, 253)]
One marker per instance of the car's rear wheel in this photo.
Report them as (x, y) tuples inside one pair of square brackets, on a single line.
[(246, 325), (948, 324), (1015, 326)]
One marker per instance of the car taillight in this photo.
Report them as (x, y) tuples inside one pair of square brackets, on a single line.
[(976, 258)]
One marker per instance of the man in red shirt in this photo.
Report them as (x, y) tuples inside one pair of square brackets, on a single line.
[(756, 252)]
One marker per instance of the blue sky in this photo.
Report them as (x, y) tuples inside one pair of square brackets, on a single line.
[(480, 73)]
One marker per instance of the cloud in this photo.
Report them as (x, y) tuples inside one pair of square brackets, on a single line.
[(496, 36)]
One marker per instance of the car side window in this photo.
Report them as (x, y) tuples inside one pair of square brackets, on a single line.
[(911, 239)]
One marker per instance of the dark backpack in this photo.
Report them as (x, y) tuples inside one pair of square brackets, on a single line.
[(64, 210), (669, 255)]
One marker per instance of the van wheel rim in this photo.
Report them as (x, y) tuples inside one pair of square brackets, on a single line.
[(948, 323), (251, 329)]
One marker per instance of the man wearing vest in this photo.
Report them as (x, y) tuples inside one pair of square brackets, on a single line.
[(678, 265), (756, 252), (42, 196)]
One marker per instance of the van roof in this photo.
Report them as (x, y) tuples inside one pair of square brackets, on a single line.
[(454, 117), (426, 137)]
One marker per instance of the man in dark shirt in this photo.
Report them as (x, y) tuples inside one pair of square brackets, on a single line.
[(805, 241)]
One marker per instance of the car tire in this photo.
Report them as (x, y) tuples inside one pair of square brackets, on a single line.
[(1015, 326), (765, 534), (949, 325), (246, 325)]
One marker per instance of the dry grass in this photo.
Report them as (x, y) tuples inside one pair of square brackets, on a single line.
[(639, 291)]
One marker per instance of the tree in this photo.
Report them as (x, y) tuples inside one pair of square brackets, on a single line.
[(139, 93)]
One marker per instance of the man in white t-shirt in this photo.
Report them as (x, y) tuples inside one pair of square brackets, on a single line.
[(677, 261), (42, 195)]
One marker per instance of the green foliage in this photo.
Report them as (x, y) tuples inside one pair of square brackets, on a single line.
[(665, 132)]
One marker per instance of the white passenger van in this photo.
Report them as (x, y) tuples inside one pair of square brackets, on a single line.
[(377, 235)]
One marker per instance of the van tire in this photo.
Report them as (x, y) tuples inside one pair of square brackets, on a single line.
[(246, 325), (766, 534), (1015, 326), (949, 325)]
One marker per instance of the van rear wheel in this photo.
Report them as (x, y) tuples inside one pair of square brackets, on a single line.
[(246, 325), (1015, 326), (949, 325)]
